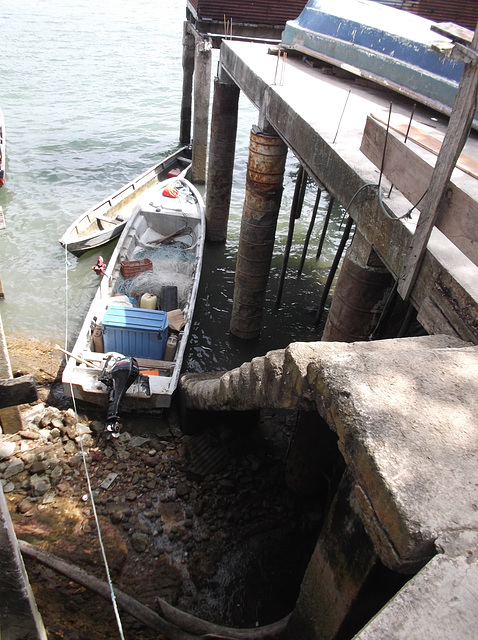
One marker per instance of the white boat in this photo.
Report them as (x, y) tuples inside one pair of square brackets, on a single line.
[(105, 221), (135, 312), (2, 149)]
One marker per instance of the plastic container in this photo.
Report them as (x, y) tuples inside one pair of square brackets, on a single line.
[(98, 339), (171, 345), (140, 333), (148, 301), (169, 297)]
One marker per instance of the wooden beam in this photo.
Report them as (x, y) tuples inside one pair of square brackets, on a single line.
[(453, 31), (427, 138), (457, 132), (457, 216), (15, 391)]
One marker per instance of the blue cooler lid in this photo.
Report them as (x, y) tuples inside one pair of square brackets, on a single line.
[(135, 319)]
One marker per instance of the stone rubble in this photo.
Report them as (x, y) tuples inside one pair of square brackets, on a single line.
[(186, 518)]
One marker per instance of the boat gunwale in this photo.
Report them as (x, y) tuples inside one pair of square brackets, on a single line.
[(140, 183)]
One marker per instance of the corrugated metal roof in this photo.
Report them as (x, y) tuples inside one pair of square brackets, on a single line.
[(462, 12), (256, 12), (277, 12)]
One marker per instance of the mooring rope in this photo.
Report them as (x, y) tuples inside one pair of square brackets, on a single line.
[(90, 490)]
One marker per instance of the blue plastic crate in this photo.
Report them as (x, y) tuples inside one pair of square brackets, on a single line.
[(131, 331)]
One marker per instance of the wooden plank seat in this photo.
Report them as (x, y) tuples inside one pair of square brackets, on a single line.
[(110, 220), (144, 363)]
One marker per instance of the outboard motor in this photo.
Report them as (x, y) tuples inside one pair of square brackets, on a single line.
[(118, 374)]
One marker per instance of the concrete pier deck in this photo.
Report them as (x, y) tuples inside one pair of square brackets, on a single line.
[(322, 118)]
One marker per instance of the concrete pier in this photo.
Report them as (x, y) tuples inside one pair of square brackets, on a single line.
[(222, 148), (265, 173), (403, 411), (324, 120)]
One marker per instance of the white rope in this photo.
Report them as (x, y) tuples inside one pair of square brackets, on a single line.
[(93, 506), (90, 490), (66, 297)]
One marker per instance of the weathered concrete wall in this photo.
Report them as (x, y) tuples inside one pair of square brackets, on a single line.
[(401, 409), (405, 414)]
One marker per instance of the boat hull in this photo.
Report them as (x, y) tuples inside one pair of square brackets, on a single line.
[(380, 43), (105, 221), (160, 249)]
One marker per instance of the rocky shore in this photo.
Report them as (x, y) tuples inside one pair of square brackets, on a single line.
[(205, 522)]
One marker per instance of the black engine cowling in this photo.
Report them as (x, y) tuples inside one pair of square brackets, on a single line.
[(118, 374)]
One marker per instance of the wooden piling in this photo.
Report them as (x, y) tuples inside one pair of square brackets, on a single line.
[(265, 173), (222, 146)]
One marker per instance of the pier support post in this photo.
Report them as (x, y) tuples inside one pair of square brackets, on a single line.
[(265, 173), (10, 418), (187, 97), (341, 562), (360, 294), (202, 87), (222, 147), (19, 616)]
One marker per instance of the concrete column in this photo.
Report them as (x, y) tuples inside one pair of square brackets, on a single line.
[(265, 173), (341, 562), (222, 147), (187, 98), (202, 90), (360, 294)]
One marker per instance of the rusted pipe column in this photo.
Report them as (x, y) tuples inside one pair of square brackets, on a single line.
[(360, 294), (202, 85), (265, 172), (222, 147), (187, 97)]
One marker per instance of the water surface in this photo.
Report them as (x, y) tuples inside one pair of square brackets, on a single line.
[(91, 95)]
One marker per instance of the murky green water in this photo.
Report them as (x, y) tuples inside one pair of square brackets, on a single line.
[(91, 96)]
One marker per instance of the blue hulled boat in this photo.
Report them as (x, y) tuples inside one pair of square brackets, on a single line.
[(388, 46)]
